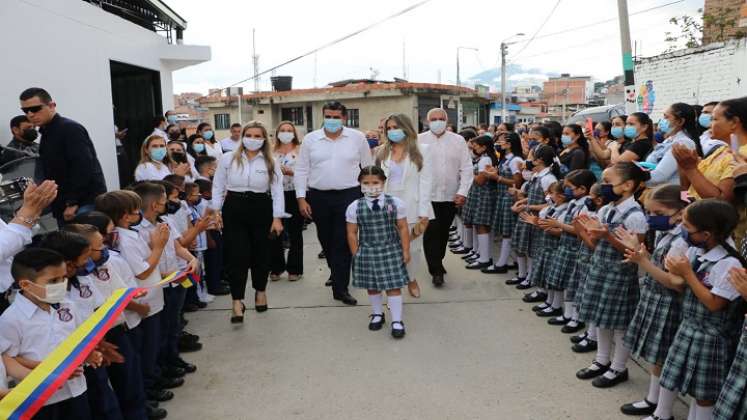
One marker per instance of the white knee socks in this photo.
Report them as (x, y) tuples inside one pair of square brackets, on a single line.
[(376, 304), (504, 253), (653, 389), (467, 237), (666, 401), (484, 247), (522, 263), (621, 352), (691, 413), (557, 299), (604, 346), (703, 413), (395, 308), (593, 330)]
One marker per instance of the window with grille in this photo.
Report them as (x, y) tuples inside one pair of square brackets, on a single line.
[(353, 118), (294, 115), (222, 121)]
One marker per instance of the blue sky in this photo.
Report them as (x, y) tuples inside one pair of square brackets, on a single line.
[(430, 34)]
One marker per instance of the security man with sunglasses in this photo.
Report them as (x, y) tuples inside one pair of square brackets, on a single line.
[(67, 156)]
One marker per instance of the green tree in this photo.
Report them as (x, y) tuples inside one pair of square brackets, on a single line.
[(689, 32)]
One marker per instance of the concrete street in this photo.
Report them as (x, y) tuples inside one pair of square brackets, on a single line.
[(473, 350)]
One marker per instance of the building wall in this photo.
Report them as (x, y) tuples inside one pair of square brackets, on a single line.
[(695, 76), (65, 46), (577, 91), (728, 9)]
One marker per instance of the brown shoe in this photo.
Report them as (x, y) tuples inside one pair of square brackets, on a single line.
[(274, 277), (294, 277), (413, 288)]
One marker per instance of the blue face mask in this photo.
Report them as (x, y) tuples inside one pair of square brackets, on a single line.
[(659, 137), (704, 120), (591, 205), (395, 135), (104, 257), (171, 119), (616, 132), (372, 142), (630, 132), (533, 143), (86, 269), (158, 154), (568, 193), (199, 147), (608, 193), (566, 140), (688, 238), (332, 125), (207, 135), (659, 223), (664, 126)]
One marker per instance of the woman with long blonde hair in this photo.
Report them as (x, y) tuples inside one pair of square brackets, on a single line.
[(286, 149), (408, 172), (248, 191), (154, 160)]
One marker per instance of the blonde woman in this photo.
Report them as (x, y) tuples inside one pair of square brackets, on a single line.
[(286, 151), (408, 177), (248, 192), (154, 160)]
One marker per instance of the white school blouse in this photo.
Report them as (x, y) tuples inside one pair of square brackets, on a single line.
[(251, 175), (136, 252), (150, 171), (351, 213)]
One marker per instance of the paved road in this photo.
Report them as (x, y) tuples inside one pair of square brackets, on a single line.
[(473, 351)]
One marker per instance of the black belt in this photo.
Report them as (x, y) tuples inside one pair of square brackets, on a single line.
[(347, 190), (248, 194)]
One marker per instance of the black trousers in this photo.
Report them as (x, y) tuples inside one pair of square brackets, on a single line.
[(214, 261), (247, 218), (328, 211), (437, 235), (293, 227)]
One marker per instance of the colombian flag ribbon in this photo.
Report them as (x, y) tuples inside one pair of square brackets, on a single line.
[(29, 396)]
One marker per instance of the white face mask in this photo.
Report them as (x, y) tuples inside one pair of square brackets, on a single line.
[(372, 190), (253, 144), (437, 126), (55, 293), (285, 137)]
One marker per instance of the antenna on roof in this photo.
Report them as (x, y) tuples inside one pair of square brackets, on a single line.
[(255, 60)]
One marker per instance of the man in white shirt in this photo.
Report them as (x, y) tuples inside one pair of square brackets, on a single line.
[(326, 181), (452, 178), (230, 143)]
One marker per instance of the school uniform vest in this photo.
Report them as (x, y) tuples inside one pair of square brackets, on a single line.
[(505, 219)]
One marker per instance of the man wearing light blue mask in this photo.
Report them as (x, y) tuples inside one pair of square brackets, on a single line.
[(326, 182)]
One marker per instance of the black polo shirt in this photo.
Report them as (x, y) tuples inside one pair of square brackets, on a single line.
[(68, 157)]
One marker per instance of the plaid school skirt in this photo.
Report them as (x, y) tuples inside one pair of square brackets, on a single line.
[(541, 263), (610, 294), (575, 287), (561, 265), (654, 323), (480, 206), (505, 219), (732, 401)]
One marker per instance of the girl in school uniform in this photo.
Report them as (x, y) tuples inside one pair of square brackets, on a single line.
[(698, 360), (659, 310), (507, 175), (465, 240), (611, 291), (732, 401), (408, 177), (586, 342), (379, 239), (479, 210), (546, 244), (545, 172), (576, 188)]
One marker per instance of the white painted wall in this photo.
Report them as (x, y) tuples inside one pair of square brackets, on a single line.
[(695, 76), (64, 46)]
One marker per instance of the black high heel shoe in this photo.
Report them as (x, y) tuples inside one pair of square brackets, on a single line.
[(259, 308), (239, 319)]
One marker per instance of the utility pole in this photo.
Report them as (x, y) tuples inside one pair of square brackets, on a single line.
[(459, 81), (404, 63), (504, 51), (255, 60), (627, 56)]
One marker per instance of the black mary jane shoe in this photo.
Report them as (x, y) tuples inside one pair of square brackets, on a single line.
[(472, 254), (541, 307), (533, 297), (259, 308), (477, 265), (558, 321), (398, 332), (375, 326), (514, 281), (586, 346), (604, 382), (525, 286), (590, 373), (494, 269), (633, 410), (570, 329), (552, 313), (239, 319), (461, 251), (579, 338)]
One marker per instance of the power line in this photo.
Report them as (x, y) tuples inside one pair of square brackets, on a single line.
[(337, 41), (549, 15)]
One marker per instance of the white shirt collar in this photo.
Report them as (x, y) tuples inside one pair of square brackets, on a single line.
[(380, 198), (625, 205), (714, 254), (25, 305), (541, 173), (128, 232)]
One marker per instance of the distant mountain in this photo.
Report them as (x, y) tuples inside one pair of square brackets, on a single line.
[(515, 75)]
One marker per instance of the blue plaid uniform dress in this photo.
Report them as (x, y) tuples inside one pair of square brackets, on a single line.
[(378, 265), (479, 208), (610, 294), (561, 266), (546, 245), (505, 219), (524, 233), (732, 401), (703, 348), (659, 311)]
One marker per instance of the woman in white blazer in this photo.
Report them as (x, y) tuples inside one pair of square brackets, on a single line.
[(408, 172)]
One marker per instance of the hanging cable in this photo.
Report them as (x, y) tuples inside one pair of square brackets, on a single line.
[(549, 15)]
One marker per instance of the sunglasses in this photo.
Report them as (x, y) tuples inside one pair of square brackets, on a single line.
[(33, 109)]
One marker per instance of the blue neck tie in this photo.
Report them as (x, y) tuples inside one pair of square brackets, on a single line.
[(376, 206)]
